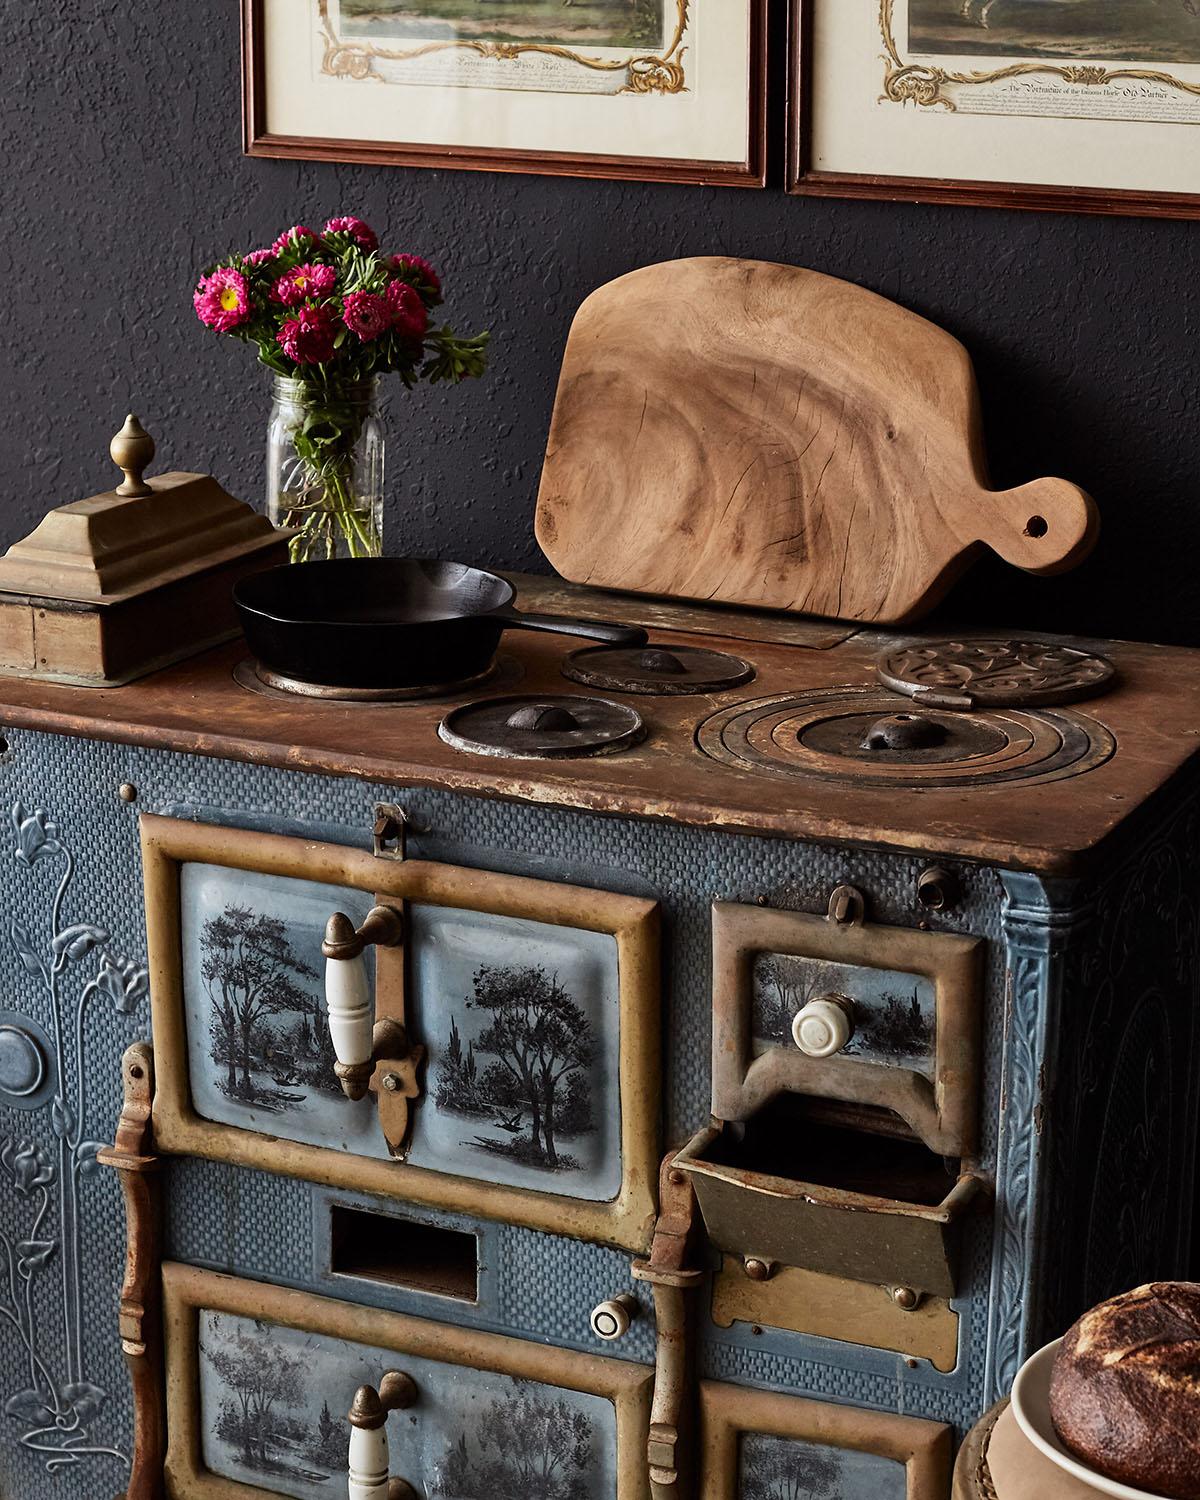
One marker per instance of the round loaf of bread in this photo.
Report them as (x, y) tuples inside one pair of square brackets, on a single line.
[(1125, 1389)]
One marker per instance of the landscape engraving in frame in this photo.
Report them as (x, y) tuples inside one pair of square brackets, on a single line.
[(259, 1380), (650, 60), (1073, 66), (499, 968)]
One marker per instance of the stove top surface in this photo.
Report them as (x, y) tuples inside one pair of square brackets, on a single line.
[(965, 746)]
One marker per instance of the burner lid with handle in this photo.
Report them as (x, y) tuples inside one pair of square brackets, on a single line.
[(993, 673), (555, 727), (665, 670)]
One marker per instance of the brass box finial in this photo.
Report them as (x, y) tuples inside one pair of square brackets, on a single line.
[(131, 450)]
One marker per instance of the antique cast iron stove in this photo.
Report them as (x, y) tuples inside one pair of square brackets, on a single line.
[(718, 1062)]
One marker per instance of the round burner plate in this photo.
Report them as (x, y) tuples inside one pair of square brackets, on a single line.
[(556, 727), (504, 672), (828, 733), (669, 670), (993, 673)]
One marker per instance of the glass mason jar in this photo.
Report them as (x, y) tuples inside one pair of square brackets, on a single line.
[(325, 454)]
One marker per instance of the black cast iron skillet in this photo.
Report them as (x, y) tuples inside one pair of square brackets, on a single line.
[(390, 622)]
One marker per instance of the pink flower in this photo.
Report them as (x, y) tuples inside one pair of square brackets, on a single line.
[(308, 337), (366, 314), (362, 233), (409, 318), (304, 284), (295, 238), (419, 270), (222, 300), (256, 257)]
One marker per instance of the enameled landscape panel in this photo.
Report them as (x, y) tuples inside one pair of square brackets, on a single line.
[(520, 1019), (782, 1468), (895, 1014), (274, 1400)]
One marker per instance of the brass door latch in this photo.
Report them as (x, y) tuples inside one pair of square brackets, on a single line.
[(374, 1051), (369, 1459)]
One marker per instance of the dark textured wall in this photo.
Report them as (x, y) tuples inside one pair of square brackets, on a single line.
[(124, 175)]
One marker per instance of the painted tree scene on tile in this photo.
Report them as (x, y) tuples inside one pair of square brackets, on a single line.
[(781, 1468)]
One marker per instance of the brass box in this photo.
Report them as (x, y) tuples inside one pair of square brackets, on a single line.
[(107, 589)]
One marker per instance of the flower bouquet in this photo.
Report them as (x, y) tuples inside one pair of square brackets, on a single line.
[(328, 313)]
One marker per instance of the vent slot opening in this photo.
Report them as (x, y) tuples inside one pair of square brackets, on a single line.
[(405, 1253)]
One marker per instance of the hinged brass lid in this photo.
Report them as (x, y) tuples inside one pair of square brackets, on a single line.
[(144, 534)]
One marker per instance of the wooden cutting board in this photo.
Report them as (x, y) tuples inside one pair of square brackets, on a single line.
[(764, 435)]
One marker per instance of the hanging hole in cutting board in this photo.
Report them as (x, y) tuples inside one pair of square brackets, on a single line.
[(1036, 526)]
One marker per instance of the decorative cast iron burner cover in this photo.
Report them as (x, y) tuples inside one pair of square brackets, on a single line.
[(993, 673), (556, 727), (661, 670)]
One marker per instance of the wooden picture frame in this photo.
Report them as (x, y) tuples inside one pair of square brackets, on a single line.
[(188, 1292), (663, 74), (920, 85), (942, 1109), (625, 1220), (730, 1413)]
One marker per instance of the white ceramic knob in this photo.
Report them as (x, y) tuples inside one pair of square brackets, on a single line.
[(348, 1001), (368, 1477), (610, 1320), (823, 1026)]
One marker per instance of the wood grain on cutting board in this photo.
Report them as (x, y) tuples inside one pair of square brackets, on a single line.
[(764, 435)]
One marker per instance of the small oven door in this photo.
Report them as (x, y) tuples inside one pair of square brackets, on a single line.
[(509, 1028)]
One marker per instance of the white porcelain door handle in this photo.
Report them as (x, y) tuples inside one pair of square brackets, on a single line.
[(610, 1320), (824, 1025), (348, 991), (367, 1469)]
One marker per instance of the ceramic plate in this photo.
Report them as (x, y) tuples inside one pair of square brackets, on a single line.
[(1031, 1408)]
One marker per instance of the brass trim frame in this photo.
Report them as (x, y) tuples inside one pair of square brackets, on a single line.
[(726, 1411), (187, 1291), (626, 1221), (944, 1112)]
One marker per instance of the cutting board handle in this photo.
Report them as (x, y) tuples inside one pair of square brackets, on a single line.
[(1046, 526)]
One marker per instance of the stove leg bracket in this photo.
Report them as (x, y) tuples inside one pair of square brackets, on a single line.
[(132, 1156), (675, 1282)]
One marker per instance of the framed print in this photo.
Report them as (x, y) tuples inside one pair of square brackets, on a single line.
[(665, 90), (530, 1009), (1086, 105), (757, 1445), (259, 1380)]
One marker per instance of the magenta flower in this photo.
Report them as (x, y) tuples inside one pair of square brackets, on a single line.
[(362, 233), (308, 337), (366, 314), (222, 300), (417, 269), (256, 257), (304, 284), (295, 238), (409, 318)]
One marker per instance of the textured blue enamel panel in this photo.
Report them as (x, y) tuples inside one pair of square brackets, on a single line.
[(1118, 962)]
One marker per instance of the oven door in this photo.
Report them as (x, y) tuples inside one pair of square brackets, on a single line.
[(261, 1382), (508, 1028)]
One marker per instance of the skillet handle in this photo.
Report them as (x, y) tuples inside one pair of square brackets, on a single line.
[(592, 630)]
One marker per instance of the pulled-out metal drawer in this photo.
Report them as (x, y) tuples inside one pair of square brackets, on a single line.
[(759, 1200)]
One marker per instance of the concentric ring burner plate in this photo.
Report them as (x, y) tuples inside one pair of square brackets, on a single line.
[(825, 733)]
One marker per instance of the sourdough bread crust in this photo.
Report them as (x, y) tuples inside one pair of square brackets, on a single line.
[(1125, 1389)]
